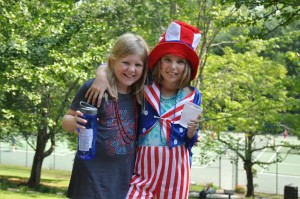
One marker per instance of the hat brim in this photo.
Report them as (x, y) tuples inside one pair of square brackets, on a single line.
[(178, 49)]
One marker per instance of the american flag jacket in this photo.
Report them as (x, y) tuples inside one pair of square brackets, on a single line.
[(175, 133)]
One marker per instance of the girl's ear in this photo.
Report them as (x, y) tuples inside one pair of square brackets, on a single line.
[(110, 61)]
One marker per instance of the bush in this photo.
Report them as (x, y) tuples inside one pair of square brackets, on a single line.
[(240, 189)]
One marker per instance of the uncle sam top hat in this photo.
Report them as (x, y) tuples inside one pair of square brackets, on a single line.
[(180, 39)]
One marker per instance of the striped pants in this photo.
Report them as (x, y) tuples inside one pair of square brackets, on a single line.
[(161, 173)]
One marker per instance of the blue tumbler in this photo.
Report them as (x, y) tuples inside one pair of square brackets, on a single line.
[(87, 137)]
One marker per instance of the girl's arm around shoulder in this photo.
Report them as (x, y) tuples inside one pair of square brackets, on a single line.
[(99, 86)]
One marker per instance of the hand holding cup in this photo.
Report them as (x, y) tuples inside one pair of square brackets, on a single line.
[(190, 112), (190, 118)]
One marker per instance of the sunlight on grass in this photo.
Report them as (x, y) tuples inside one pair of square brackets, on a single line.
[(11, 170), (13, 181), (22, 195)]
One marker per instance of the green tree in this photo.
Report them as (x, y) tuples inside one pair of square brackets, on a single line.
[(266, 16), (247, 93), (231, 100), (33, 90)]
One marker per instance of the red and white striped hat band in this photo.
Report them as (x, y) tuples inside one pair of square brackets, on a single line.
[(177, 34), (180, 39)]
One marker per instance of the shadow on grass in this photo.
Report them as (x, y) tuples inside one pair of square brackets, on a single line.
[(16, 183)]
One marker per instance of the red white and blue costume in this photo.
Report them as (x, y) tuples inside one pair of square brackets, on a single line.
[(163, 171)]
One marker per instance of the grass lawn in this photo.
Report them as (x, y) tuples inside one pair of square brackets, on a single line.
[(54, 184), (13, 180)]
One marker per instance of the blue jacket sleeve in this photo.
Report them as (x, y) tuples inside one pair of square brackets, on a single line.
[(191, 142)]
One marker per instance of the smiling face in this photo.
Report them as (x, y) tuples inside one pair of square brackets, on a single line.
[(172, 69), (127, 71)]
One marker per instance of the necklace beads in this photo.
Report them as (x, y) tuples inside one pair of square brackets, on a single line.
[(127, 138)]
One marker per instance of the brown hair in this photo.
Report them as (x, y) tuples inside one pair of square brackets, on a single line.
[(184, 82)]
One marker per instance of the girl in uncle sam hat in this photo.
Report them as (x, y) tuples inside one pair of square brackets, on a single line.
[(162, 168)]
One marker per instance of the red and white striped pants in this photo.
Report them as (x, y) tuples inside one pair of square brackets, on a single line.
[(160, 172)]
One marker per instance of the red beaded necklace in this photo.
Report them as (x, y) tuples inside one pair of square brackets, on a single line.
[(127, 138)]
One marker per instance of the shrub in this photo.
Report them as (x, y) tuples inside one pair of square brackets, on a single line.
[(240, 189)]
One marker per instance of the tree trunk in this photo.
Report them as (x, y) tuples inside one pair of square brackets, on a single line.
[(249, 173), (35, 175), (44, 135), (172, 7), (248, 164)]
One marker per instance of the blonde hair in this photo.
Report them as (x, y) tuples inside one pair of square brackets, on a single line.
[(185, 80), (129, 44)]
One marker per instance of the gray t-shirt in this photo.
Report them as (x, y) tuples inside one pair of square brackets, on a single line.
[(109, 173)]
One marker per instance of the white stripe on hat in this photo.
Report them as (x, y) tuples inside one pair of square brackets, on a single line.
[(196, 40), (173, 32)]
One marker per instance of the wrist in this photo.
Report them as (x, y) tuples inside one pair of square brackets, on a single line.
[(190, 134)]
